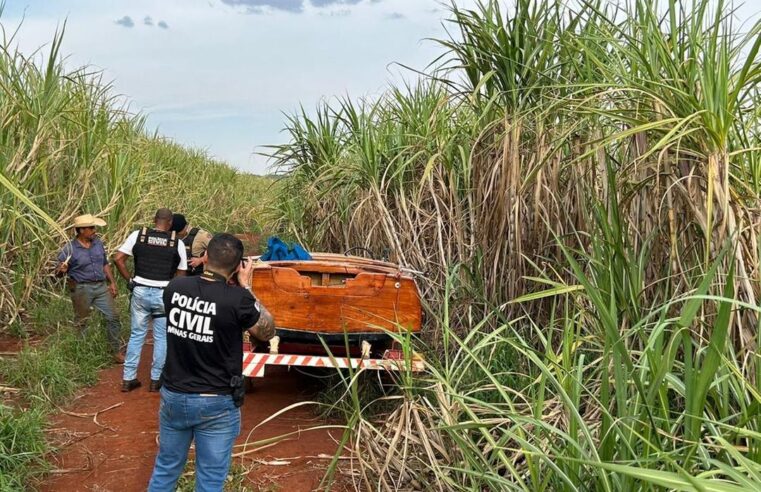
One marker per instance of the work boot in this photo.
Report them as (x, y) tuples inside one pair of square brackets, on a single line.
[(129, 385), (155, 385)]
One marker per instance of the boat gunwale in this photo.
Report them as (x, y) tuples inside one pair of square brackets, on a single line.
[(336, 264)]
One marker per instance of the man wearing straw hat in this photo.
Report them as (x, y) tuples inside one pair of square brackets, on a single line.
[(85, 262)]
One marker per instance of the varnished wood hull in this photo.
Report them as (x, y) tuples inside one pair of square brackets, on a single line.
[(334, 295)]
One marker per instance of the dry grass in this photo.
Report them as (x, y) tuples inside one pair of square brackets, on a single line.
[(68, 146), (580, 186)]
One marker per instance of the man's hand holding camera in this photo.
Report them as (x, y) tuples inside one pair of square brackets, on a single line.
[(245, 271)]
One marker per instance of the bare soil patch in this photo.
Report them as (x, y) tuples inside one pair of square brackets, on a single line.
[(114, 450), (10, 345)]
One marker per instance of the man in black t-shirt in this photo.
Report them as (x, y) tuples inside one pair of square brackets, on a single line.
[(202, 378)]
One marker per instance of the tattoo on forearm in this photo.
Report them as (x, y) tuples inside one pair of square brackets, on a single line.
[(264, 329)]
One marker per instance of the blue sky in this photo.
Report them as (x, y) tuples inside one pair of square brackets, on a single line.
[(218, 74)]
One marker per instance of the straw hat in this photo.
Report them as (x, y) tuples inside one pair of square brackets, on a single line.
[(87, 220)]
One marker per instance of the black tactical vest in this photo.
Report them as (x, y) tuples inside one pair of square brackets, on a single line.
[(188, 242), (155, 254)]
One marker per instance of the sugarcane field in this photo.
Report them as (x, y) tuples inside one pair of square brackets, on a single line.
[(380, 245)]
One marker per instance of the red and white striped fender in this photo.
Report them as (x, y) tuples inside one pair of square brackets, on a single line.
[(254, 363)]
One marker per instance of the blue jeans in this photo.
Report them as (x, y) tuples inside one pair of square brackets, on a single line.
[(84, 296), (147, 302), (212, 421)]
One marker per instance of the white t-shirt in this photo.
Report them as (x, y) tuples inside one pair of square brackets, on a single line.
[(126, 248)]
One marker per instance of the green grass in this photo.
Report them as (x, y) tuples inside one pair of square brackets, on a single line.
[(22, 447), (47, 375), (525, 407), (54, 369), (579, 184), (331, 391), (53, 364), (67, 147), (237, 480)]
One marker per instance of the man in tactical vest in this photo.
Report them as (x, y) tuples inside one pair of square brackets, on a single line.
[(159, 255), (196, 241)]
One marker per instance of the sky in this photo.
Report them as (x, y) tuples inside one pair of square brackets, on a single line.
[(220, 74)]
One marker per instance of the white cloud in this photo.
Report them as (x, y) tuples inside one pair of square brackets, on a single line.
[(328, 3), (221, 80), (125, 21), (255, 6)]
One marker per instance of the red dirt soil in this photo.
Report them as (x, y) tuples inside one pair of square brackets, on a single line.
[(251, 242), (11, 345), (118, 454)]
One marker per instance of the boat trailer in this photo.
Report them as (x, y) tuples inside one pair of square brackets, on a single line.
[(254, 363)]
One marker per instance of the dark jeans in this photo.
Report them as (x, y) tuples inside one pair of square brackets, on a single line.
[(85, 296)]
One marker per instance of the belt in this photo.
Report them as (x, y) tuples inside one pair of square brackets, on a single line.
[(148, 286), (88, 281)]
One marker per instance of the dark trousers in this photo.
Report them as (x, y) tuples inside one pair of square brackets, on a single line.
[(86, 296)]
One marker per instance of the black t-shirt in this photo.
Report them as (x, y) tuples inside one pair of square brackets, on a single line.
[(205, 324)]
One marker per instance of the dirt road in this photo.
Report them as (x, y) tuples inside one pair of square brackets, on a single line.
[(115, 451)]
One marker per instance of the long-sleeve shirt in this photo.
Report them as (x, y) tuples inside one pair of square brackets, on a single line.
[(85, 264)]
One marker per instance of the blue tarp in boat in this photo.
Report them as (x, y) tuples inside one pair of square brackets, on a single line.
[(277, 250)]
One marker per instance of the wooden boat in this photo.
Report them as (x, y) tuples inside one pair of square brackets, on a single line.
[(335, 296)]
